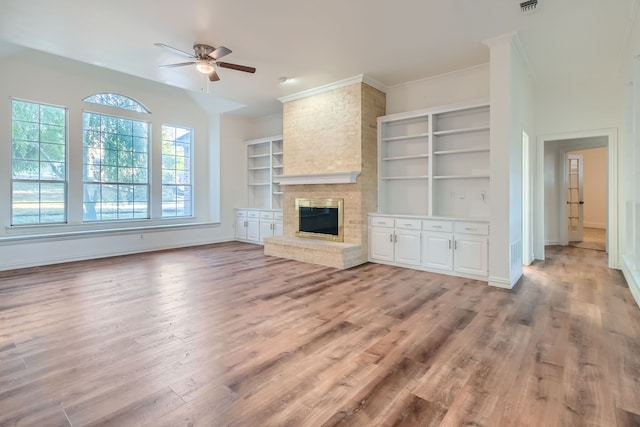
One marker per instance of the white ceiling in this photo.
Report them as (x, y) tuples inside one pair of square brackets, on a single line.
[(317, 43)]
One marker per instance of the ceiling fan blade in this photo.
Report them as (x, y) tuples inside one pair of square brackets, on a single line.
[(174, 50), (236, 67), (213, 76), (181, 64), (220, 52)]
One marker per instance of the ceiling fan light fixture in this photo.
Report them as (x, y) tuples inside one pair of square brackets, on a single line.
[(204, 66)]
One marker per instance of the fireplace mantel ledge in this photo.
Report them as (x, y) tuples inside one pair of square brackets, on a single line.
[(348, 177)]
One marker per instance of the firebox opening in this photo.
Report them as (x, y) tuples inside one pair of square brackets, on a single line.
[(320, 219)]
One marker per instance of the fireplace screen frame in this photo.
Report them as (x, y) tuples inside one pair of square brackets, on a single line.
[(321, 203)]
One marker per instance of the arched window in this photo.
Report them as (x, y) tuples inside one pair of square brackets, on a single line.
[(118, 101), (115, 161)]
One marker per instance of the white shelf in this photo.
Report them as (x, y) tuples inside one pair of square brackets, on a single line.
[(277, 193), (460, 176), (418, 156), (463, 150), (389, 178), (264, 160), (435, 161), (462, 130), (403, 137)]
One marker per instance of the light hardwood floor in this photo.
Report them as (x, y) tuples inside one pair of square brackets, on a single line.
[(221, 335)]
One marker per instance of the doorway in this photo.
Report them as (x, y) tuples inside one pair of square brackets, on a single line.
[(551, 213)]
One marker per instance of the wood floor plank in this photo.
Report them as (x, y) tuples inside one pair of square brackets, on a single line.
[(221, 335)]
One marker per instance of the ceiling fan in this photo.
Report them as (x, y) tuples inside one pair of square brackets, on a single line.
[(206, 59)]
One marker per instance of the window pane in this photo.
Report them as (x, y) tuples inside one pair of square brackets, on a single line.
[(38, 151), (26, 192), (176, 169), (118, 101)]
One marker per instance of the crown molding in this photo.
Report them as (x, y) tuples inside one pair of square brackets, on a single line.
[(332, 86)]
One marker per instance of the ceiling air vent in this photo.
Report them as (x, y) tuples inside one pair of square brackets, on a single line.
[(529, 6)]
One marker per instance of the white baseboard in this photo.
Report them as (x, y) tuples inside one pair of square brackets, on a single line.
[(595, 225), (633, 280)]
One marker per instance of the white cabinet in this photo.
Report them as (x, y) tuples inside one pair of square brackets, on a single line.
[(253, 225), (381, 244), (395, 241), (461, 247), (448, 246), (241, 224), (270, 224), (407, 246), (471, 248), (437, 250), (264, 166)]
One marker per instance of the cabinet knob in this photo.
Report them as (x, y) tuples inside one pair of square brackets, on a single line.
[(449, 243), (391, 238)]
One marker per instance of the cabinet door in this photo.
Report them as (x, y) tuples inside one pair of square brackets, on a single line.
[(278, 228), (241, 229), (381, 244), (471, 254), (407, 250), (253, 230), (437, 250), (266, 229)]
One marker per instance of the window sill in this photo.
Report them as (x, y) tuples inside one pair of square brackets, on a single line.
[(65, 232)]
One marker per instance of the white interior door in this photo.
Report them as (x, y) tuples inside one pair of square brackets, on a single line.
[(574, 197)]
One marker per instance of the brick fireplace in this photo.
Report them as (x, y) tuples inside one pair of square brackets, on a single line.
[(330, 152)]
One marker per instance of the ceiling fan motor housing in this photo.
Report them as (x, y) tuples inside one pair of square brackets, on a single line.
[(202, 51)]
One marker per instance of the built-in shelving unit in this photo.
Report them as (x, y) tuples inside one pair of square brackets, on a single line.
[(435, 162), (264, 166), (433, 191), (404, 162)]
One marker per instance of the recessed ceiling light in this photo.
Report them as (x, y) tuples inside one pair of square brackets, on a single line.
[(285, 79)]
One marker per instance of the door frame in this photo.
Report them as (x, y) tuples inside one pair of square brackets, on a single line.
[(611, 136)]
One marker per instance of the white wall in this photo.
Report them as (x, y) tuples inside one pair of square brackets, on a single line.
[(451, 88), (594, 186), (46, 78)]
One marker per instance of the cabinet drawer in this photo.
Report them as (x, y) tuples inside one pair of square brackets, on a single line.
[(377, 221), (471, 228), (434, 225), (278, 215), (408, 224), (266, 215), (241, 214), (253, 214)]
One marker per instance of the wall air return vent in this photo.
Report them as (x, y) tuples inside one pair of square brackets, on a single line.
[(529, 6)]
